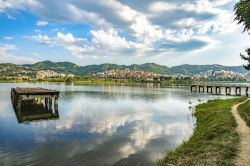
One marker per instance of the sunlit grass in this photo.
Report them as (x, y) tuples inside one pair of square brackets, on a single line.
[(215, 140), (244, 111)]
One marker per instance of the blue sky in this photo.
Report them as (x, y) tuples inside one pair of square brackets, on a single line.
[(167, 32)]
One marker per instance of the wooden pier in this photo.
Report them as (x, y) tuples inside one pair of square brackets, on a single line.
[(232, 90), (34, 103)]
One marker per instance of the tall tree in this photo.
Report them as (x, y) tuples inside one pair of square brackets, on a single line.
[(242, 13), (246, 58)]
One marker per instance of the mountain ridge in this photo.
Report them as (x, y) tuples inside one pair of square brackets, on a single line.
[(71, 68)]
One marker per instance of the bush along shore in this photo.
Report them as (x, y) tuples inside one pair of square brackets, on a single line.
[(215, 140), (244, 112)]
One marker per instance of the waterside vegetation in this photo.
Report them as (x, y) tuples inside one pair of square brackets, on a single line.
[(89, 80), (215, 140), (244, 111)]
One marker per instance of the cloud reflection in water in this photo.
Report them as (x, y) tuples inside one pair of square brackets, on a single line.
[(104, 125)]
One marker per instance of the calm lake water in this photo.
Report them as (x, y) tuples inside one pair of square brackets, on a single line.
[(99, 125)]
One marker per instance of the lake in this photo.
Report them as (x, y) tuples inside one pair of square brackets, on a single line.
[(99, 125)]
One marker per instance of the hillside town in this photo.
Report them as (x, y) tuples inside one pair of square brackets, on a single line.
[(26, 73), (128, 74), (19, 72), (149, 76), (222, 75), (51, 74)]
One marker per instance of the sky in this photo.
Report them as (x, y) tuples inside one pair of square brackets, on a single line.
[(167, 32)]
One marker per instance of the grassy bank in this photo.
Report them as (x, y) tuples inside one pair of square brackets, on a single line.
[(215, 140), (244, 111)]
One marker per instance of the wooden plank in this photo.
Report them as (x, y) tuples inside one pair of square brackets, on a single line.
[(35, 91)]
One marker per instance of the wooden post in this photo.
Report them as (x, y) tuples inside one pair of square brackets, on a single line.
[(19, 100), (19, 104), (217, 90), (56, 103), (247, 91), (193, 86), (228, 92), (201, 87), (13, 96), (46, 102), (39, 100), (211, 89), (236, 91), (50, 103)]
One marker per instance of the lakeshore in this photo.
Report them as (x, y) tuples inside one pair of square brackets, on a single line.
[(96, 81), (125, 83), (217, 139), (212, 143), (129, 123), (245, 113)]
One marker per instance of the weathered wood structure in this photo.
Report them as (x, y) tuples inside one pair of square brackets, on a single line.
[(34, 103), (236, 90)]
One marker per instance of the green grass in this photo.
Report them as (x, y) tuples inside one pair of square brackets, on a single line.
[(244, 111), (214, 141)]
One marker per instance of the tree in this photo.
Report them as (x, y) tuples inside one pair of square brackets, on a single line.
[(246, 58), (242, 13)]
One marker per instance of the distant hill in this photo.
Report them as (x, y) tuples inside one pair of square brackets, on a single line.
[(61, 67), (68, 67), (71, 68), (151, 67), (196, 69)]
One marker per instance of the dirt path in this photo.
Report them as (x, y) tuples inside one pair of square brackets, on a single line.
[(243, 158)]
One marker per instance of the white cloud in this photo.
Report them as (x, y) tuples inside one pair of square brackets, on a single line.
[(126, 27), (81, 15), (67, 41), (59, 38), (6, 47), (221, 22), (142, 29), (68, 38), (7, 38), (37, 31), (41, 23), (7, 55), (145, 31), (159, 6), (103, 43), (110, 39), (6, 5)]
